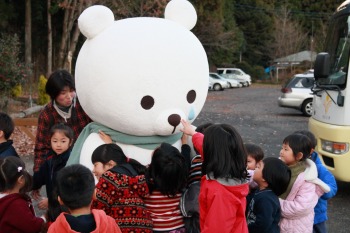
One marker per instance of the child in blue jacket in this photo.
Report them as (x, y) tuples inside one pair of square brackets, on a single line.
[(327, 177)]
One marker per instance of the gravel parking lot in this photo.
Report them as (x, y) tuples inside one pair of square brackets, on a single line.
[(255, 114)]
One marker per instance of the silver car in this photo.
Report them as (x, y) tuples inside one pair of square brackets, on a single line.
[(297, 93), (218, 83), (232, 82)]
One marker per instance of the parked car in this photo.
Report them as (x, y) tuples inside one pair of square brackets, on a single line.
[(237, 74), (218, 83), (297, 94), (232, 82)]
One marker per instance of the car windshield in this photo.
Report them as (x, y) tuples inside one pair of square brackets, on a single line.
[(338, 46)]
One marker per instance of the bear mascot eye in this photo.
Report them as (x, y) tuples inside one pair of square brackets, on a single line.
[(191, 96), (147, 102)]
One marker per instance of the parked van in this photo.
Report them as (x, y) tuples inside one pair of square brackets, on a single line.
[(235, 73)]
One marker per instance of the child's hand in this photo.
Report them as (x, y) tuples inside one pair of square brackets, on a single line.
[(105, 137), (36, 194), (187, 128), (43, 204), (184, 139)]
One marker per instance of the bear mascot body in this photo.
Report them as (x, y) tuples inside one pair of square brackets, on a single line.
[(137, 78)]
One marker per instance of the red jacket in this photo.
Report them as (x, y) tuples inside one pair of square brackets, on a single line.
[(222, 207), (17, 215), (104, 224)]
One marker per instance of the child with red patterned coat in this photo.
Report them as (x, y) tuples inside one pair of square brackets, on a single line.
[(121, 188)]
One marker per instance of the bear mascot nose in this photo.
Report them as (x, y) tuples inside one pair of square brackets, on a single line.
[(174, 120)]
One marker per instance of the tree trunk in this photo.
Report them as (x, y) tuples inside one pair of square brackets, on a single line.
[(49, 40), (28, 32), (67, 27)]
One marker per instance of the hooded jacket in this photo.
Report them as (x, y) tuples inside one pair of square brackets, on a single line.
[(297, 210), (104, 224), (17, 215), (222, 206), (327, 177)]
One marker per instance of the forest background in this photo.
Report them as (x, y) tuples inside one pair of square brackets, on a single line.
[(39, 36)]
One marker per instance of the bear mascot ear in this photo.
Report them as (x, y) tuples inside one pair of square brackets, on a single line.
[(94, 20), (182, 12)]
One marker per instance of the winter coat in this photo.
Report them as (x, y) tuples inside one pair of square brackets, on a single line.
[(6, 149), (297, 210), (222, 207), (327, 177), (104, 224), (17, 215)]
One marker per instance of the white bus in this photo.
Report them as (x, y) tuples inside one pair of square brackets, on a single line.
[(330, 120)]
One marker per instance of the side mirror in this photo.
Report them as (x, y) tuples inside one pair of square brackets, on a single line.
[(322, 64)]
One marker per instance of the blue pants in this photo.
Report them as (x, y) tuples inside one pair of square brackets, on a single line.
[(320, 227)]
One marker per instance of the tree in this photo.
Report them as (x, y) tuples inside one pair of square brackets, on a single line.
[(28, 33), (12, 71), (217, 30), (288, 35), (254, 18)]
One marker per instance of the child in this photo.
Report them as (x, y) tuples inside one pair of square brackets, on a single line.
[(121, 188), (304, 188), (189, 204), (327, 177), (263, 207), (76, 190), (6, 129), (61, 141), (254, 155), (16, 209), (222, 198), (167, 176)]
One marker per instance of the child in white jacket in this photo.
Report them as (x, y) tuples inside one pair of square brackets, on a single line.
[(304, 189)]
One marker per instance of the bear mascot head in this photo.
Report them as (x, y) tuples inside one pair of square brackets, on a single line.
[(137, 78)]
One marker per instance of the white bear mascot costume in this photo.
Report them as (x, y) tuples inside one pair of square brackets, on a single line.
[(137, 78)]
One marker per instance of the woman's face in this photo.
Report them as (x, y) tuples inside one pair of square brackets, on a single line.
[(65, 98)]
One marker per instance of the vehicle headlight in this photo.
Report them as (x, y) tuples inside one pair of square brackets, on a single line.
[(334, 147)]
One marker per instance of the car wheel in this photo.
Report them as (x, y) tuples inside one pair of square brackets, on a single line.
[(217, 87), (307, 107), (247, 84)]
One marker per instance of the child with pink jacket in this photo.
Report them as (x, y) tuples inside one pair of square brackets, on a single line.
[(304, 189)]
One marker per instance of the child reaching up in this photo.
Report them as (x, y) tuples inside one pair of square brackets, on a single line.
[(61, 139), (121, 188), (222, 197), (76, 190), (167, 176), (304, 188), (263, 208), (16, 209)]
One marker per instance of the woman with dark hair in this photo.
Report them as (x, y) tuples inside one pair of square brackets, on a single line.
[(64, 107)]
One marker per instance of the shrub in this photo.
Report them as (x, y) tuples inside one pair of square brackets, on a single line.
[(16, 91), (12, 71), (43, 98)]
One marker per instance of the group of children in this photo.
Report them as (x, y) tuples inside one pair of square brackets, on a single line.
[(227, 187)]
